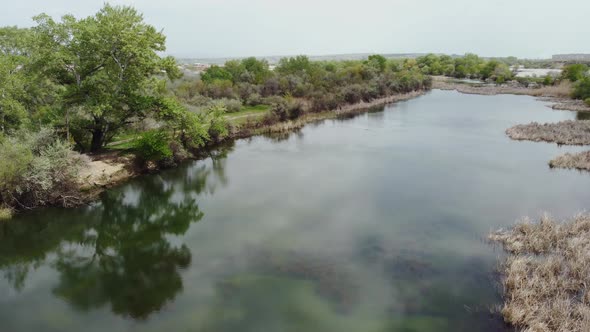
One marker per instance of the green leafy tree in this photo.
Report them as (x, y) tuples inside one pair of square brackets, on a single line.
[(108, 65), (216, 73), (12, 90), (294, 65), (377, 61)]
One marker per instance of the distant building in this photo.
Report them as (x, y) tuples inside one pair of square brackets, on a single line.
[(571, 58)]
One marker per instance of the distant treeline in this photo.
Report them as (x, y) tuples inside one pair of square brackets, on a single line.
[(323, 85)]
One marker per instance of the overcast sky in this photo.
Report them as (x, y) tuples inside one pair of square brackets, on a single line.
[(232, 28)]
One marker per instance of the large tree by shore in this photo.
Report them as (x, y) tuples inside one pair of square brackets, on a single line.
[(109, 66)]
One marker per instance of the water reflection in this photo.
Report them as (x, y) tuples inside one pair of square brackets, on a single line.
[(583, 116), (127, 259), (123, 252)]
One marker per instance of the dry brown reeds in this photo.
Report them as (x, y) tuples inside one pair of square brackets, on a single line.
[(546, 278), (565, 132), (579, 160)]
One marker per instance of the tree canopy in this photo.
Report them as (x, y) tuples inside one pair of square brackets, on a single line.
[(108, 65)]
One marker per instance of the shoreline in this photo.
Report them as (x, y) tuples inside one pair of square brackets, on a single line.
[(112, 168), (558, 98)]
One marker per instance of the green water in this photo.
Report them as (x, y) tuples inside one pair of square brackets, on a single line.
[(374, 223)]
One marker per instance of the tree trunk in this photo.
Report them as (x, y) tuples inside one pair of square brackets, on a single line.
[(97, 140)]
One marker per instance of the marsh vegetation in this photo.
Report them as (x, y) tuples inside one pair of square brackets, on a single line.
[(546, 275)]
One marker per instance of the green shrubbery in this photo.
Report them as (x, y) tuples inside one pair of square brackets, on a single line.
[(582, 88), (287, 109), (230, 105), (38, 169), (574, 72), (325, 84), (153, 145)]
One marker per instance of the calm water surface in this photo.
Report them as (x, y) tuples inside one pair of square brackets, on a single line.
[(374, 223)]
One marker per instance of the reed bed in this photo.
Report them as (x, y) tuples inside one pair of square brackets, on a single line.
[(579, 161), (565, 132), (546, 278)]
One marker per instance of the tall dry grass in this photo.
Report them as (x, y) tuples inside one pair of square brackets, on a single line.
[(546, 278), (565, 132), (579, 160)]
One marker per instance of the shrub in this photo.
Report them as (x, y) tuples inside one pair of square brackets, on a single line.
[(587, 101), (38, 169), (230, 105), (218, 126), (219, 89), (352, 94), (199, 100), (287, 110), (193, 130), (153, 145), (179, 153), (574, 72), (582, 89), (325, 101), (548, 80), (245, 90), (254, 99), (272, 100)]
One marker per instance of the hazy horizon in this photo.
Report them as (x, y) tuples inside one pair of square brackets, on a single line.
[(233, 28)]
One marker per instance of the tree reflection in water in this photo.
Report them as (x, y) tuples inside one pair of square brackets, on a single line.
[(122, 253)]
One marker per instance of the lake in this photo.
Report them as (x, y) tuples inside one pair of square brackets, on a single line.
[(372, 223)]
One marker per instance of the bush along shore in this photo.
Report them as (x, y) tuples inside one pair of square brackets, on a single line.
[(546, 276)]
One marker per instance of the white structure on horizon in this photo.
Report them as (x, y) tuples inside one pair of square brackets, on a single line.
[(571, 57)]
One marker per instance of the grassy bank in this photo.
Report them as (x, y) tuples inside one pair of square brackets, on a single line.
[(546, 276)]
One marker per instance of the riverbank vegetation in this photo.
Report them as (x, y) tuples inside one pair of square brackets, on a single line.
[(546, 275), (574, 81), (73, 86)]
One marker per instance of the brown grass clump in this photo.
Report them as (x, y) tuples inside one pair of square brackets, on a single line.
[(565, 132), (572, 160), (547, 275), (563, 90)]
